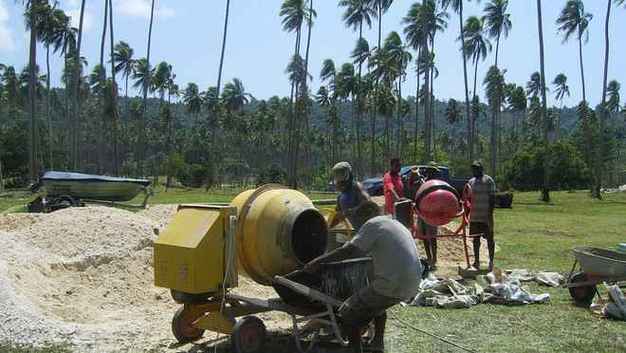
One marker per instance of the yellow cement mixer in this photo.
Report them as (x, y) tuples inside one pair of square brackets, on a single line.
[(264, 233)]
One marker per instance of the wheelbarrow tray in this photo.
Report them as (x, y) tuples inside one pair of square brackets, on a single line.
[(601, 263)]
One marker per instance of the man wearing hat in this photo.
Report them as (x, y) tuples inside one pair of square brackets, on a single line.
[(483, 200), (351, 194)]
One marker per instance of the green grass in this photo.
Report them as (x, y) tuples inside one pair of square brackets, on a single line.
[(15, 201), (532, 235), (535, 236)]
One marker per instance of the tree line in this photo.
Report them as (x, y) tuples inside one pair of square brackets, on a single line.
[(361, 112)]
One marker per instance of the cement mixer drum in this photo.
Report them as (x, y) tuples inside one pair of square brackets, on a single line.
[(437, 202)]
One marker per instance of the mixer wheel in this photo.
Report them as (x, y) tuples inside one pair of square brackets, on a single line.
[(182, 325), (249, 335)]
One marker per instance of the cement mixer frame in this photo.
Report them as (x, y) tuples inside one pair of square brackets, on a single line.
[(462, 231)]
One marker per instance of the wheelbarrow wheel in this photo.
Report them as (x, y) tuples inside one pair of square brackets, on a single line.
[(582, 295), (248, 335), (182, 326)]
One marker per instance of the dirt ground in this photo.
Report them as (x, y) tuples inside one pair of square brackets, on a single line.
[(84, 277)]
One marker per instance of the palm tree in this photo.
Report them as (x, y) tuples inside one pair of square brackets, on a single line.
[(613, 103), (142, 75), (494, 88), (358, 12), (145, 88), (498, 22), (457, 6), (575, 21), (517, 101), (235, 96), (561, 89), (294, 14), (192, 100), (476, 47), (52, 32), (223, 51), (124, 62), (545, 192), (414, 32), (533, 86), (453, 112), (76, 78), (328, 74), (381, 7), (114, 92), (33, 18)]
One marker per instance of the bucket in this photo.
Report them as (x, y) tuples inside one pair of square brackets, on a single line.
[(338, 280)]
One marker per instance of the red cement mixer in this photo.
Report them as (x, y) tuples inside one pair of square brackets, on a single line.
[(438, 204)]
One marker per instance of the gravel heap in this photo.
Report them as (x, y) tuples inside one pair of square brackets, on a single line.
[(84, 277)]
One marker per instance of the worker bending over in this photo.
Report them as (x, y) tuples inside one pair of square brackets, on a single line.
[(392, 186), (396, 277), (483, 200)]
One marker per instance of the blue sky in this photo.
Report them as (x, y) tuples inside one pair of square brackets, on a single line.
[(187, 34)]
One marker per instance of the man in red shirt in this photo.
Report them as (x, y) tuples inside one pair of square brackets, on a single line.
[(392, 186)]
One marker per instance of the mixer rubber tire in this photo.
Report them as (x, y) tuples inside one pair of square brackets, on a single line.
[(182, 326), (583, 296), (249, 335)]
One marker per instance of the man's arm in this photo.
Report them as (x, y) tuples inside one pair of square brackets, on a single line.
[(348, 251)]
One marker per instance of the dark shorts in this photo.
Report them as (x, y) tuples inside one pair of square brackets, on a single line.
[(481, 228), (365, 305)]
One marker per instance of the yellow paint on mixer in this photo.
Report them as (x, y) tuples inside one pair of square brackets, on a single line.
[(276, 230)]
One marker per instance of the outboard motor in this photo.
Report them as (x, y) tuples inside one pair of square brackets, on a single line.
[(438, 203)]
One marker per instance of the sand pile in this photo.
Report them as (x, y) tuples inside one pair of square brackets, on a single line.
[(84, 276)]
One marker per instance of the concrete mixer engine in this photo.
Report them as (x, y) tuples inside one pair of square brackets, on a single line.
[(263, 233)]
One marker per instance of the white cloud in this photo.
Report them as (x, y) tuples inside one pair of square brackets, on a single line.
[(141, 8), (6, 36)]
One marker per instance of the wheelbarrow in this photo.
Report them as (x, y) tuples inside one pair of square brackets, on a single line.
[(311, 301), (593, 266)]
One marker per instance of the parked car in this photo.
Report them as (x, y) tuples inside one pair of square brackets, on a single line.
[(374, 186)]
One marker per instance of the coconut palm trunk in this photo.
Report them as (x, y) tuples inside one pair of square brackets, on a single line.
[(48, 112), (582, 67), (114, 112), (359, 117), (304, 97), (427, 109), (146, 86), (76, 77), (474, 113), (467, 101), (100, 137), (417, 110), (603, 114), (225, 36), (32, 101), (545, 192)]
